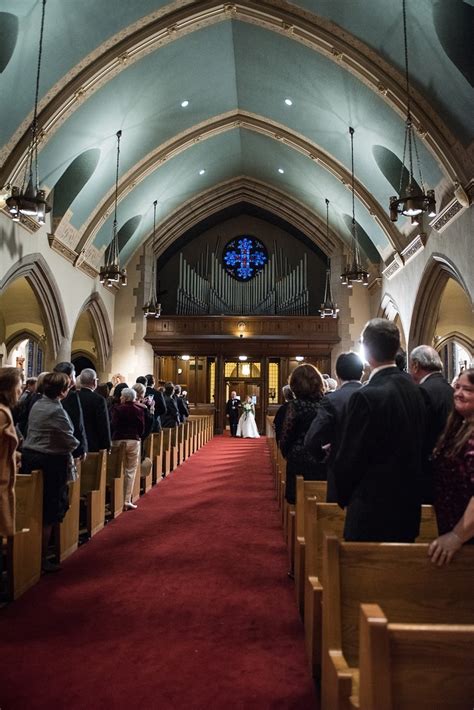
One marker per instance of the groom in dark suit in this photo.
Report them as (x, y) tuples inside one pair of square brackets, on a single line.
[(378, 468), (232, 409)]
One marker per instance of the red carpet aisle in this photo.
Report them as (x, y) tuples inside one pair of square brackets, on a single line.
[(184, 603)]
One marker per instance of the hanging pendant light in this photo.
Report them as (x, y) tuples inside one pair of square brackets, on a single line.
[(29, 200), (328, 309), (354, 271), (412, 199), (111, 273), (152, 309)]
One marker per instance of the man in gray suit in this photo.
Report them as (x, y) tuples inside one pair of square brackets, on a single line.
[(326, 428), (378, 467)]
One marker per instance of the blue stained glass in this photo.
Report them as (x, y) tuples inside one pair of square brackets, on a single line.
[(244, 257)]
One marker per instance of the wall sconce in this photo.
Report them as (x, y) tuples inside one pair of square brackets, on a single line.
[(180, 371), (241, 327)]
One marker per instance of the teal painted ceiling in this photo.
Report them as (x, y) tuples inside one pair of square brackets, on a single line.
[(226, 67)]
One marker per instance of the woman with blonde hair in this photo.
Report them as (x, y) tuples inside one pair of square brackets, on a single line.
[(453, 465), (10, 391)]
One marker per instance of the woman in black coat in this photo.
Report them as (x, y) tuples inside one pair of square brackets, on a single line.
[(307, 385)]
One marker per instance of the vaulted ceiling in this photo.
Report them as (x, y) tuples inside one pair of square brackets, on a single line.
[(113, 65)]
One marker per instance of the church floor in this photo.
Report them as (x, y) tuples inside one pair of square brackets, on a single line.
[(183, 603)]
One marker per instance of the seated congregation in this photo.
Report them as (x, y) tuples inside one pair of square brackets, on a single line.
[(375, 484), (74, 455)]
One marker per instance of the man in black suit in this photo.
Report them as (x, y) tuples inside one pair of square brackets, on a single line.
[(232, 410), (426, 369), (182, 408), (378, 468), (326, 427), (158, 398), (94, 409), (72, 404)]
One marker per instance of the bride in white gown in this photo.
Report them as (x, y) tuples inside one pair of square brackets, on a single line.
[(247, 427)]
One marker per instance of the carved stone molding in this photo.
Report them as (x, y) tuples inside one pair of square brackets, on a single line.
[(28, 223), (415, 246), (393, 267), (446, 216), (61, 248)]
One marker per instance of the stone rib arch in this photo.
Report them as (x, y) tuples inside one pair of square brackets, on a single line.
[(243, 189), (315, 32), (101, 327), (19, 336), (430, 289), (228, 122), (38, 274)]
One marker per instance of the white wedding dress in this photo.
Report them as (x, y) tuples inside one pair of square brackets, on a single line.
[(246, 427)]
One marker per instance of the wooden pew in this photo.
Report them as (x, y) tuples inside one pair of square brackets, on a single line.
[(136, 482), (321, 519), (93, 478), (180, 444), (24, 547), (304, 489), (146, 475), (67, 532), (154, 450), (115, 478), (174, 448), (403, 581), (186, 440), (166, 458), (406, 666)]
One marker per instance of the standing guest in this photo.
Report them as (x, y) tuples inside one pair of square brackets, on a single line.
[(128, 424), (326, 428), (22, 423), (378, 467), (184, 397), (280, 415), (48, 446), (160, 405), (171, 417), (10, 390), (182, 409), (426, 370), (454, 475), (21, 410), (232, 411), (103, 390), (72, 405), (307, 385), (148, 405), (94, 410)]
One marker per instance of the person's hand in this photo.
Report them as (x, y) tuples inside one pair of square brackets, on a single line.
[(18, 460), (443, 549)]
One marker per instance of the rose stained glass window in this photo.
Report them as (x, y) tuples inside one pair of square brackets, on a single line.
[(244, 257)]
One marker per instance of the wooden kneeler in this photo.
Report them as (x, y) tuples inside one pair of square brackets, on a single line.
[(115, 478), (24, 547), (93, 479), (68, 531)]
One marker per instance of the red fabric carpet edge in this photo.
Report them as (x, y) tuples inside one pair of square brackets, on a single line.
[(183, 603)]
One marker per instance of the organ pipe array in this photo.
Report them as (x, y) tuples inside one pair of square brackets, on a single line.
[(278, 289)]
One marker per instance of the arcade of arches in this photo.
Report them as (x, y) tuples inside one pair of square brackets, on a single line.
[(236, 122)]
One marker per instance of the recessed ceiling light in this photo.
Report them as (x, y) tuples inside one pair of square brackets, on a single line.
[(184, 103), (202, 171), (242, 358), (281, 171), (288, 102)]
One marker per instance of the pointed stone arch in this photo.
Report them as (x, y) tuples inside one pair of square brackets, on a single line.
[(34, 268), (101, 327), (437, 272)]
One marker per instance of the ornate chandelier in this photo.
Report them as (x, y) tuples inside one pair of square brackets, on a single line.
[(328, 309), (412, 199), (354, 271), (152, 309), (111, 273), (29, 200)]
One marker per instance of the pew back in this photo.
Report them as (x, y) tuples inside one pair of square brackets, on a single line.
[(93, 479), (24, 547), (407, 585), (396, 664)]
